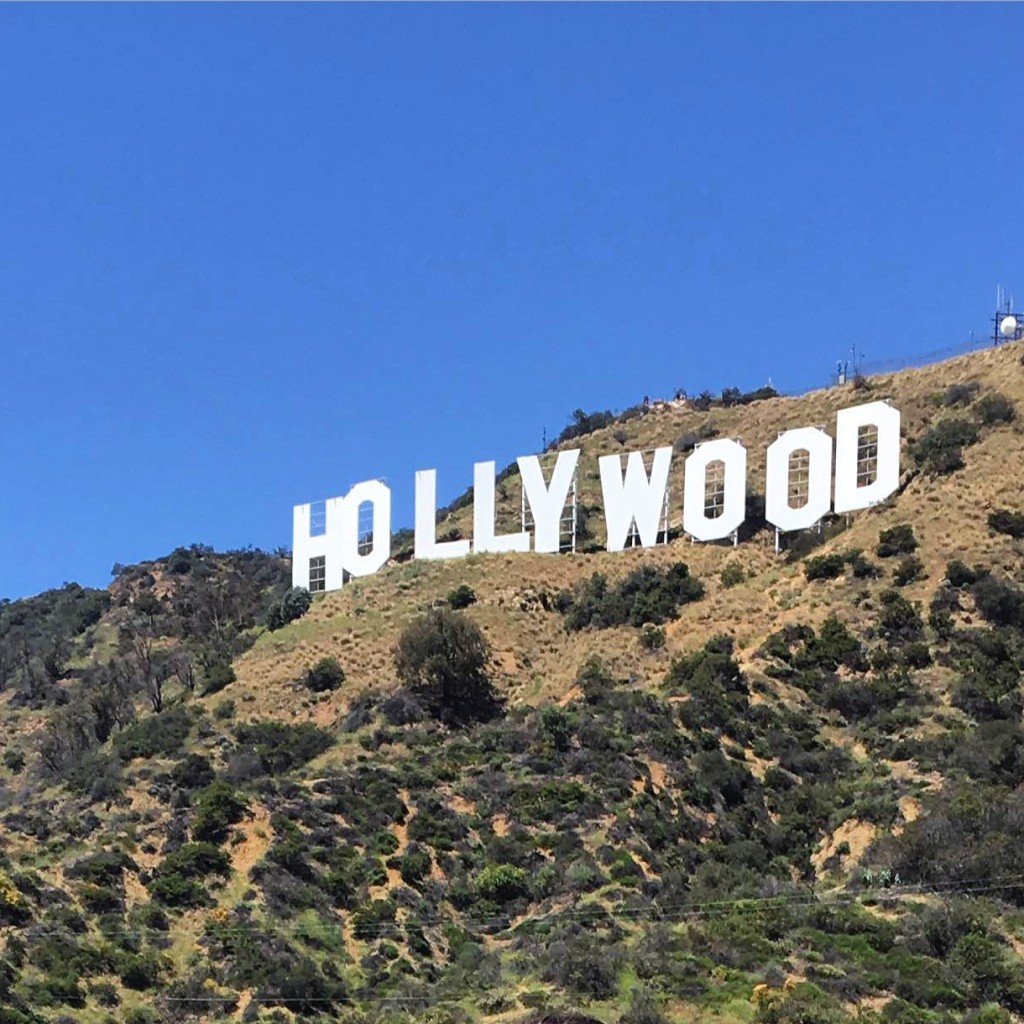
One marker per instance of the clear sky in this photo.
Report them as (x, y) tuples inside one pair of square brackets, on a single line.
[(250, 255)]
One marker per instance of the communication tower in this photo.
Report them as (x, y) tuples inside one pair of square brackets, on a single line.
[(1006, 325)]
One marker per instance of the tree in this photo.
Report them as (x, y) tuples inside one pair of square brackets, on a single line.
[(442, 658), (180, 664)]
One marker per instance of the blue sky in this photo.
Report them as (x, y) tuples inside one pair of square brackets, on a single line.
[(254, 254)]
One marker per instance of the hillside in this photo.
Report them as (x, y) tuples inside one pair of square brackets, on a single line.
[(771, 788)]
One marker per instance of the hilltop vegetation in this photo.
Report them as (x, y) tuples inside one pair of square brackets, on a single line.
[(695, 782)]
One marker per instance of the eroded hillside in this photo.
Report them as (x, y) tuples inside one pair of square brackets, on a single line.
[(769, 787)]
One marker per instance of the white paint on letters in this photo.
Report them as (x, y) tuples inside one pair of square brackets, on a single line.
[(848, 496), (378, 494), (484, 537), (696, 522), (547, 501), (777, 509), (637, 498), (327, 545), (426, 544)]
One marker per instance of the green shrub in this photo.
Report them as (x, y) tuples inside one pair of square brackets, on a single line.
[(281, 746), (897, 540), (862, 568), (141, 1015), (217, 675), (326, 675), (501, 883), (370, 920), (1004, 521), (415, 864), (223, 710), (995, 408), (719, 695), (959, 575), (646, 595), (833, 646), (160, 734), (461, 597), (652, 638), (177, 881), (899, 619), (997, 601), (193, 772), (142, 971), (102, 868), (557, 725), (293, 605), (595, 681), (940, 449), (215, 809), (732, 575), (908, 571), (961, 394), (195, 860), (583, 423), (824, 567)]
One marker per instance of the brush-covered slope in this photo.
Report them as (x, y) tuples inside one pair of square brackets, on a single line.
[(765, 788)]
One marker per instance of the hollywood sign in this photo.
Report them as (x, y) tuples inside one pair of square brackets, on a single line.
[(635, 501)]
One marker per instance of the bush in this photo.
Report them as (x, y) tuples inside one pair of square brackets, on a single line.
[(719, 700), (177, 882), (686, 442), (217, 675), (998, 602), (324, 676), (1004, 521), (163, 733), (461, 597), (959, 575), (899, 620), (583, 423), (646, 595), (652, 638), (961, 394), (142, 971), (584, 965), (442, 658), (995, 408), (824, 567), (217, 808), (594, 680), (909, 570), (732, 575), (293, 605), (557, 724), (194, 772), (281, 746), (939, 450), (223, 710), (897, 540), (501, 883)]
